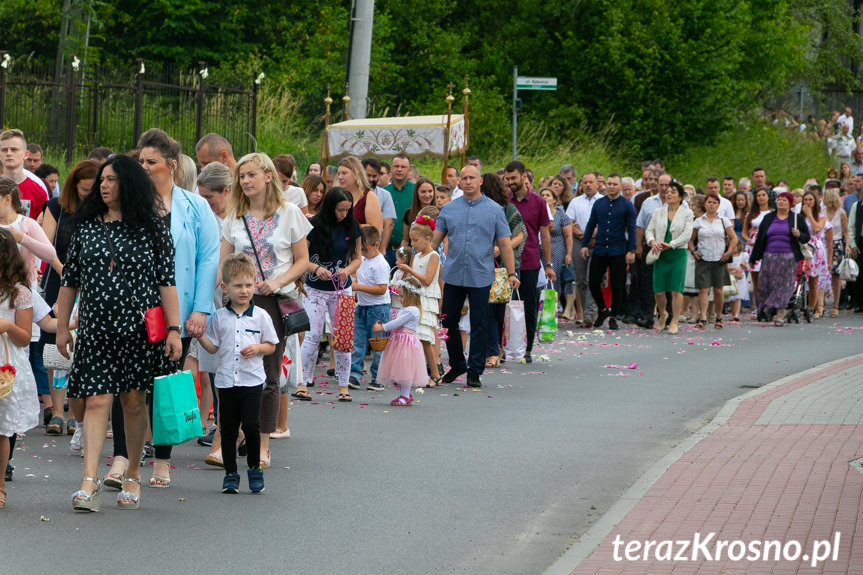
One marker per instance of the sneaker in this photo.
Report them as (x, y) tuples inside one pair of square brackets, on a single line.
[(354, 383), (149, 450), (612, 324), (375, 386), (256, 479), (9, 469), (473, 380), (231, 483), (528, 358), (76, 444), (207, 440)]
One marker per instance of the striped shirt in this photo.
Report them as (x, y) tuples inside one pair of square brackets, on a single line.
[(472, 228)]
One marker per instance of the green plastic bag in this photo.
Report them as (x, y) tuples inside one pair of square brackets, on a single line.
[(176, 417), (548, 316)]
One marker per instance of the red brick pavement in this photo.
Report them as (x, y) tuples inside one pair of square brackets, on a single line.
[(751, 482)]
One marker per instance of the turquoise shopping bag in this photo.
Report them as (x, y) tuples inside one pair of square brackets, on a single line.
[(176, 417)]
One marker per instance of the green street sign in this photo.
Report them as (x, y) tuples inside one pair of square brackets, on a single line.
[(533, 83)]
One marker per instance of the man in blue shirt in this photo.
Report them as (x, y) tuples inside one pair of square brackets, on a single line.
[(855, 186), (474, 224), (612, 217)]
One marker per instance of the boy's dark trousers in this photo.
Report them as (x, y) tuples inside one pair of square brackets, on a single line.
[(240, 405)]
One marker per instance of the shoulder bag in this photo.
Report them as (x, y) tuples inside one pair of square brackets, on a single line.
[(153, 318), (294, 316), (805, 248)]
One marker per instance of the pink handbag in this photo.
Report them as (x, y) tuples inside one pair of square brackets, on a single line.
[(343, 322)]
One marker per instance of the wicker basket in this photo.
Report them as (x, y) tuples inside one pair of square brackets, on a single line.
[(7, 373), (378, 343)]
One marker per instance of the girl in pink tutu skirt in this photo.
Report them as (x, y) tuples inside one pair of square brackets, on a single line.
[(403, 361)]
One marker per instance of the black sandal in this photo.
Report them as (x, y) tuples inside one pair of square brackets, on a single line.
[(700, 324), (302, 395), (345, 397), (718, 324)]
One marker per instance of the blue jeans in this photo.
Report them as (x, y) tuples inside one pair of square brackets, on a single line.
[(40, 374), (365, 316)]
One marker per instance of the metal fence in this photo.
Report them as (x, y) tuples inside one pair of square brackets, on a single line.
[(100, 106)]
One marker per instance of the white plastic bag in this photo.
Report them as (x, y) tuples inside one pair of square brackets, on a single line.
[(514, 331), (848, 270), (292, 368)]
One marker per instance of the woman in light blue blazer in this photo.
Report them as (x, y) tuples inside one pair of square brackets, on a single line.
[(196, 254)]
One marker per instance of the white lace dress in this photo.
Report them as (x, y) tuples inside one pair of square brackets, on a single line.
[(19, 411), (429, 298)]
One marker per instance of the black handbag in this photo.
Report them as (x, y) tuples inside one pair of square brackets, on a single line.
[(294, 316)]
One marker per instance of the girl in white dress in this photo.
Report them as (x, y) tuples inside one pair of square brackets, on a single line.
[(19, 411), (426, 267)]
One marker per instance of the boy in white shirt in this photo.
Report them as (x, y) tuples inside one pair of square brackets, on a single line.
[(373, 305), (240, 334)]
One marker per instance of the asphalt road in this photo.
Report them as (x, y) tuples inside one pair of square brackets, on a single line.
[(499, 480)]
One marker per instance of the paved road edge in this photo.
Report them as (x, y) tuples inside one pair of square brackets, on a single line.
[(591, 539)]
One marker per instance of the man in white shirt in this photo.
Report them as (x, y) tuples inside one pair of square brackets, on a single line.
[(726, 210), (847, 119), (842, 146), (452, 182), (579, 212)]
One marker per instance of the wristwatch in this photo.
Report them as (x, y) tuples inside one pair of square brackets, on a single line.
[(512, 275), (174, 328)]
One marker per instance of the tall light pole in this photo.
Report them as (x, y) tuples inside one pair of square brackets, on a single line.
[(359, 56)]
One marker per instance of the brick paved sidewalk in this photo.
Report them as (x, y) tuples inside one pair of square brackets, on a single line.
[(777, 469)]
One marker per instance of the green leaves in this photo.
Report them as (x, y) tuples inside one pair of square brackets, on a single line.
[(664, 74)]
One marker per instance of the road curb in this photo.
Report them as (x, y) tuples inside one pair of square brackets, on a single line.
[(593, 537)]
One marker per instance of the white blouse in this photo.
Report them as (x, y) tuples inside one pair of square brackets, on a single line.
[(274, 237), (711, 237)]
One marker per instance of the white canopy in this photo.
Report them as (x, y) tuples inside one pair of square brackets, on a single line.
[(415, 136)]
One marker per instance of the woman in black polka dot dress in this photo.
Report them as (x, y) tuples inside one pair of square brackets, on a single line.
[(120, 263)]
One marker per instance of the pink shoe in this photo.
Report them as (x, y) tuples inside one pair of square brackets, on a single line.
[(402, 401)]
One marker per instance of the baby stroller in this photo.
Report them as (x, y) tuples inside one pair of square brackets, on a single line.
[(797, 303)]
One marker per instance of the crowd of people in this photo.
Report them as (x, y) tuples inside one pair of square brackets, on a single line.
[(368, 260)]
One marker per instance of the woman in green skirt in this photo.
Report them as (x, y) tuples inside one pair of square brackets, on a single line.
[(668, 234)]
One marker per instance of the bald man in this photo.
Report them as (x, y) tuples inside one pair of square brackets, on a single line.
[(215, 148), (474, 224)]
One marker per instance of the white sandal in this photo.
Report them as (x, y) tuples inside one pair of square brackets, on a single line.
[(132, 502), (87, 501)]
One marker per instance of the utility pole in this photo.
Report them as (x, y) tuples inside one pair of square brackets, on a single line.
[(514, 112), (359, 56)]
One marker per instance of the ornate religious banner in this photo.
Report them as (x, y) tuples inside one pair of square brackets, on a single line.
[(416, 136)]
